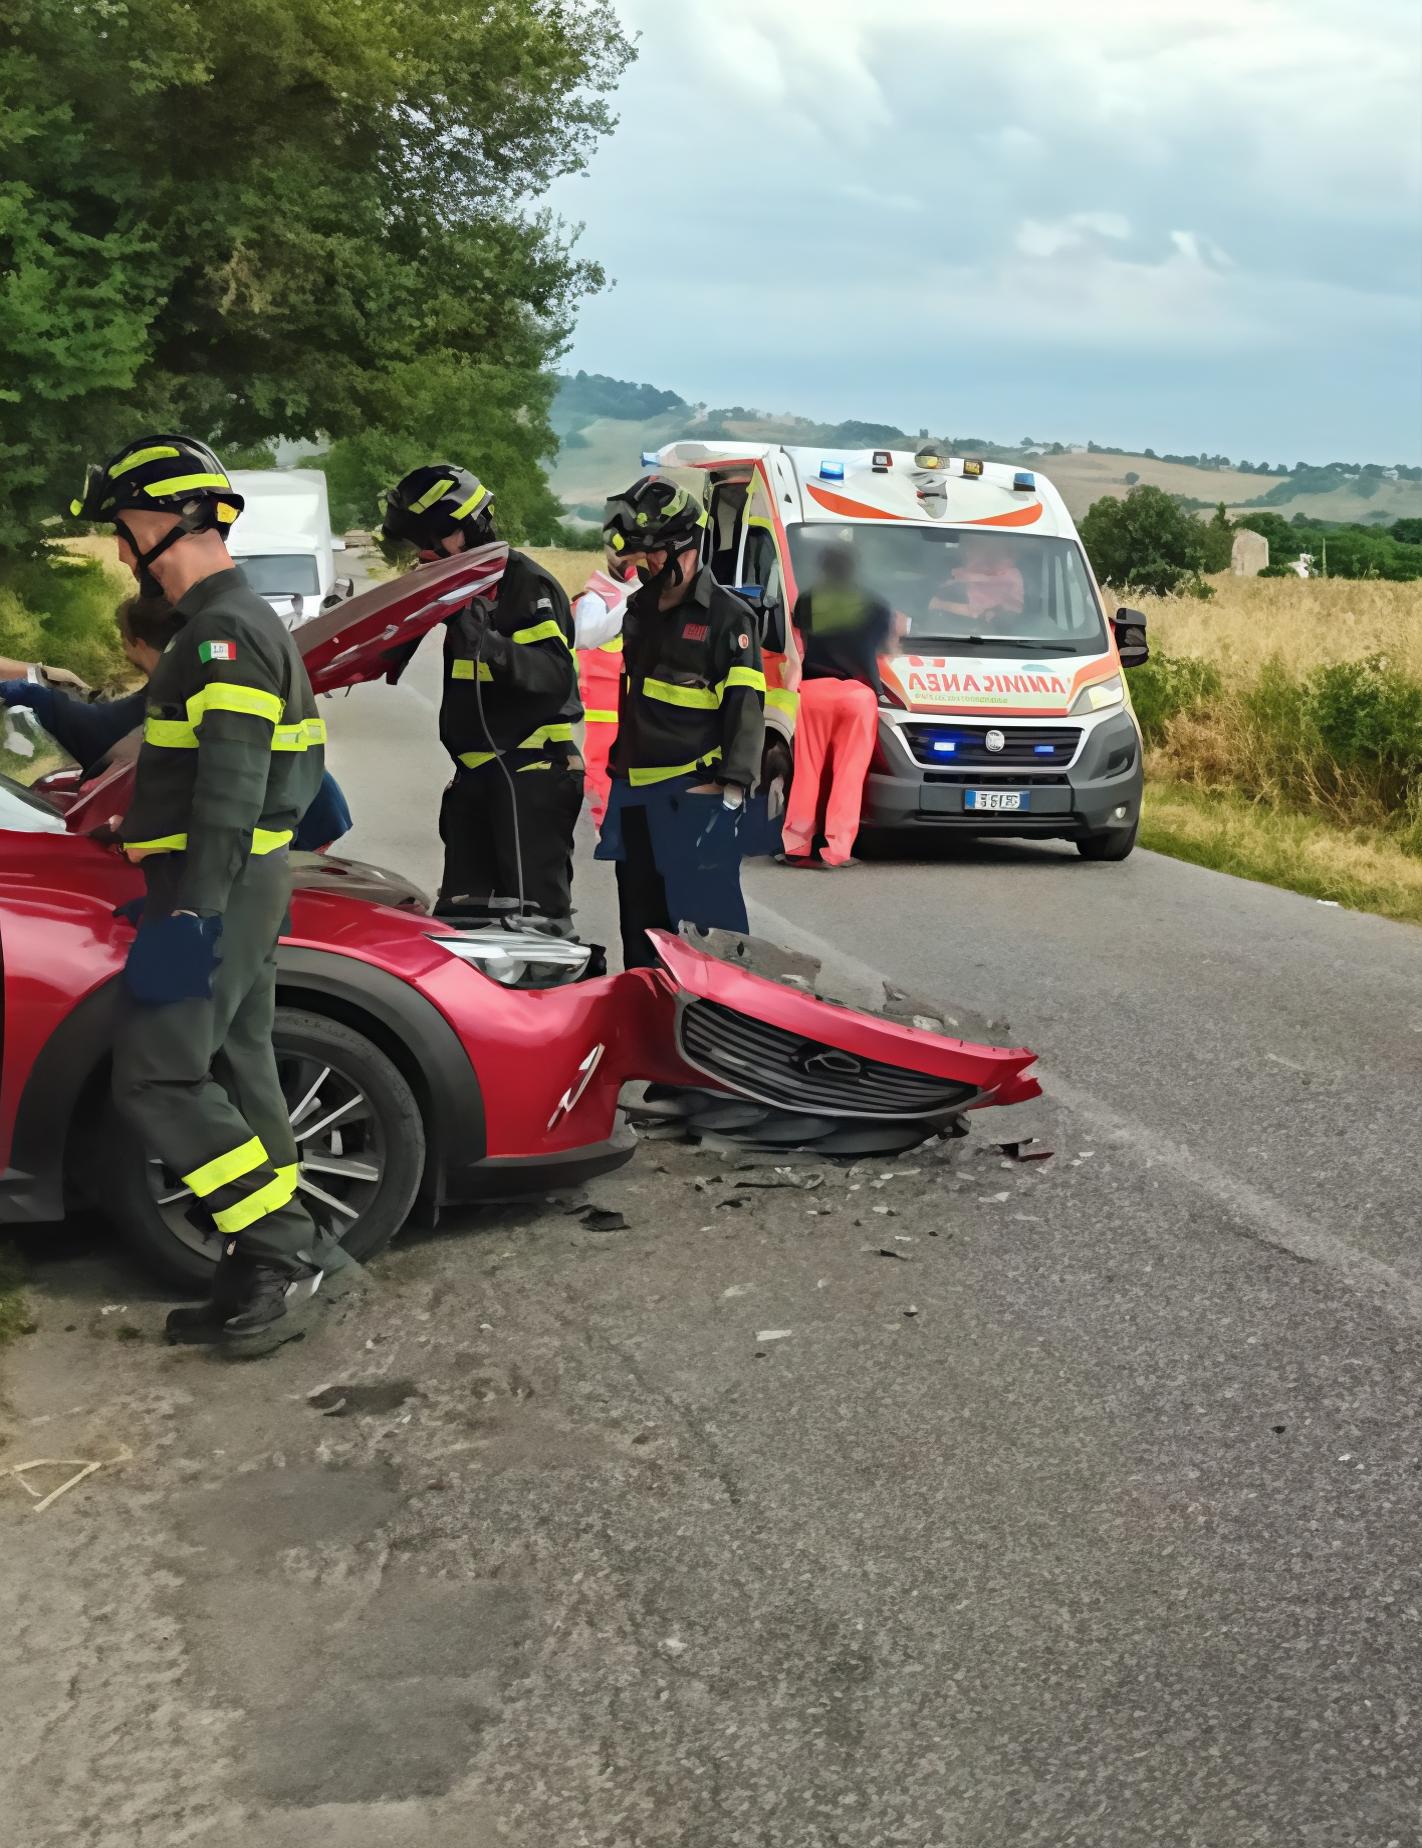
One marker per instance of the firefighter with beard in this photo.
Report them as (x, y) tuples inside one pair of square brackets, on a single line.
[(691, 724), (509, 706)]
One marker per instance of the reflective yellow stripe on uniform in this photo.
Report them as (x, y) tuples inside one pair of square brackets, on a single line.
[(264, 840), (600, 718), (222, 1170), (268, 840), (547, 734), (475, 760), (304, 735), (663, 773), (781, 699), (225, 696), (170, 734), (612, 647), (704, 699), (750, 677), (166, 843), (542, 632), (462, 668), (545, 765), (268, 1199)]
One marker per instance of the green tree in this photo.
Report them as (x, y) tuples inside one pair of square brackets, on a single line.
[(269, 218), (1146, 542), (1218, 540)]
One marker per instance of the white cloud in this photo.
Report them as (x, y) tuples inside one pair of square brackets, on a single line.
[(1036, 238)]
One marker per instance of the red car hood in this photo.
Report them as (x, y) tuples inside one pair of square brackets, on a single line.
[(364, 638)]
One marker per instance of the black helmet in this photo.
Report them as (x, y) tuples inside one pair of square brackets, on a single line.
[(162, 474), (432, 502), (653, 514)]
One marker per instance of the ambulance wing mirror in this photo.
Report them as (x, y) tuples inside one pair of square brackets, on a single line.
[(1129, 629), (769, 614)]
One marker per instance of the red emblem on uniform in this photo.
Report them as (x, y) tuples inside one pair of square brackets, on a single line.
[(695, 632), (743, 641)]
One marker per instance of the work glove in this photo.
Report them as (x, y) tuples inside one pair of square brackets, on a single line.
[(173, 959), (719, 843), (131, 911)]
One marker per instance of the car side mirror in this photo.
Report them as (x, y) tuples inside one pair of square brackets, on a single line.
[(343, 588), (1129, 629)]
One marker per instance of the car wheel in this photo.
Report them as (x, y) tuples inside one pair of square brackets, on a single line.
[(360, 1137), (1114, 844)]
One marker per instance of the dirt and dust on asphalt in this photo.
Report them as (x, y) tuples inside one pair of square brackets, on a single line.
[(814, 1507)]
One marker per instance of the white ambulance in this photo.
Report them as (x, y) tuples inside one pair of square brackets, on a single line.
[(1005, 709)]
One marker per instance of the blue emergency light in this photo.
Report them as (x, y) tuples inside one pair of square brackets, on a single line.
[(1024, 482), (831, 471), (946, 745), (650, 458), (1045, 750)]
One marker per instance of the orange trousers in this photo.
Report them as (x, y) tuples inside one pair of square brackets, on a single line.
[(834, 741), (599, 677)]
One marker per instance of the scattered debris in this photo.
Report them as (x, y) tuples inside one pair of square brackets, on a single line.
[(736, 1289), (775, 1334), (993, 1199), (1026, 1150), (371, 1396), (114, 1309), (887, 1212), (602, 1219), (673, 1646), (912, 1309), (887, 1251), (82, 1467)]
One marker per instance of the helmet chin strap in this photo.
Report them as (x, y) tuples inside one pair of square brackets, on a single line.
[(671, 572), (148, 585)]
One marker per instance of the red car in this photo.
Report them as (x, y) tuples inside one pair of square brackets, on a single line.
[(424, 1062)]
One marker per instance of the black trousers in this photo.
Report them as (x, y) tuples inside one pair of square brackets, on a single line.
[(641, 893), (484, 851), (197, 1080)]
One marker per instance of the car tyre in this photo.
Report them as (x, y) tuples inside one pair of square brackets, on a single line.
[(1113, 844), (389, 1160)]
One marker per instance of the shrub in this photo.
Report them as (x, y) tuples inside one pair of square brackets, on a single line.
[(59, 608), (1168, 685), (1368, 718)]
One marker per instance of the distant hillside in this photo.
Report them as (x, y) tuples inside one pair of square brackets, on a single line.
[(605, 424)]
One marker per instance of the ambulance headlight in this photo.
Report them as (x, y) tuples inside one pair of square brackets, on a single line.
[(1101, 696)]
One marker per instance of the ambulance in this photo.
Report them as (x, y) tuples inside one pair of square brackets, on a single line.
[(1005, 707)]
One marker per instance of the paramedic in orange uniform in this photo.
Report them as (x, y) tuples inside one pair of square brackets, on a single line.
[(597, 624), (984, 584), (843, 630)]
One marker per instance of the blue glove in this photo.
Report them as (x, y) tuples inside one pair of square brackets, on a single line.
[(173, 959), (18, 692), (719, 842)]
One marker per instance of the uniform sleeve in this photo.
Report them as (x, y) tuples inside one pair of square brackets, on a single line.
[(532, 651), (593, 622), (83, 730), (740, 683), (234, 704)]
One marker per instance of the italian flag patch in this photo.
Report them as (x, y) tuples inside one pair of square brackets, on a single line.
[(217, 651)]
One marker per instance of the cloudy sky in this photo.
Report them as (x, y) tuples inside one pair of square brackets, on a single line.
[(1183, 223)]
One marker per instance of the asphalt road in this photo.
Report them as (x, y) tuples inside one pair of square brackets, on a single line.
[(1112, 1541)]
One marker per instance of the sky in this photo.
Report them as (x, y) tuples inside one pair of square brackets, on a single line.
[(1183, 224)]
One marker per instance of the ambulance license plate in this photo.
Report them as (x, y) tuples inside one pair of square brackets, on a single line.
[(998, 799)]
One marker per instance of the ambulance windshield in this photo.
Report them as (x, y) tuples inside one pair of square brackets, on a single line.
[(961, 589)]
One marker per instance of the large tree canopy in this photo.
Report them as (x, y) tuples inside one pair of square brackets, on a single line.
[(253, 219)]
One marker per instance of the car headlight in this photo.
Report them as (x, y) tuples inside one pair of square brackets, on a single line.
[(519, 959), (1100, 696)]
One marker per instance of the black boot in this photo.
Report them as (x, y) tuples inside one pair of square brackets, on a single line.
[(275, 1307), (200, 1324)]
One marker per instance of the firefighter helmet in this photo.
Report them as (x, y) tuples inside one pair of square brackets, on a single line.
[(432, 502)]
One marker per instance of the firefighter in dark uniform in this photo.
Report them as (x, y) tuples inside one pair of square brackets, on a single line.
[(691, 725), (232, 755), (509, 706)]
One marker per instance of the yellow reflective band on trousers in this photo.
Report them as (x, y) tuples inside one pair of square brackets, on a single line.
[(703, 699), (264, 840), (742, 677), (166, 843), (462, 668), (224, 696), (430, 496), (475, 760), (545, 765), (304, 735), (186, 484), (612, 647), (269, 1199), (268, 840), (542, 632), (663, 773), (170, 734), (535, 741), (599, 718), (222, 1170), (161, 452)]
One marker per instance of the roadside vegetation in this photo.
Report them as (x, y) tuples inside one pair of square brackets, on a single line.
[(1283, 729), (14, 1309)]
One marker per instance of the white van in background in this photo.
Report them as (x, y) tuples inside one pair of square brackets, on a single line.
[(283, 544)]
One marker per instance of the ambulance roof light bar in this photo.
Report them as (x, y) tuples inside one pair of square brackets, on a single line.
[(650, 458), (1024, 482), (831, 471), (883, 461)]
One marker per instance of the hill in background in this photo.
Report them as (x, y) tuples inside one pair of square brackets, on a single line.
[(604, 425)]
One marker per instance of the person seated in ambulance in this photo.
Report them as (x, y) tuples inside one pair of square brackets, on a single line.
[(984, 586)]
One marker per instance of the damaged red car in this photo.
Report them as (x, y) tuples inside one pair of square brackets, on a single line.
[(427, 1064)]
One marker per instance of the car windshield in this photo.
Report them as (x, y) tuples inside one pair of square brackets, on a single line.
[(962, 589), (24, 813), (281, 574)]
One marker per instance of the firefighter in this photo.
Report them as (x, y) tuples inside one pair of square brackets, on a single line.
[(690, 728), (597, 625), (507, 714), (232, 755)]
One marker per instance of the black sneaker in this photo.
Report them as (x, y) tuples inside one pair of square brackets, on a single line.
[(275, 1308), (200, 1324)]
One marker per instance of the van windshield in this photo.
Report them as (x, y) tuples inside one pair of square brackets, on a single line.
[(281, 574), (960, 589)]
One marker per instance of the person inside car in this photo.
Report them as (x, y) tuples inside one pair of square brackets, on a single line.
[(983, 586)]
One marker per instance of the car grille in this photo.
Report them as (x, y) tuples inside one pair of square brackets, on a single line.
[(777, 1067), (1033, 747)]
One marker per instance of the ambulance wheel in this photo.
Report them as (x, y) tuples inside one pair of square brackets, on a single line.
[(362, 1145), (1114, 844)]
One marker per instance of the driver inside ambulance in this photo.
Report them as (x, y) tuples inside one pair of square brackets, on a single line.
[(984, 585)]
